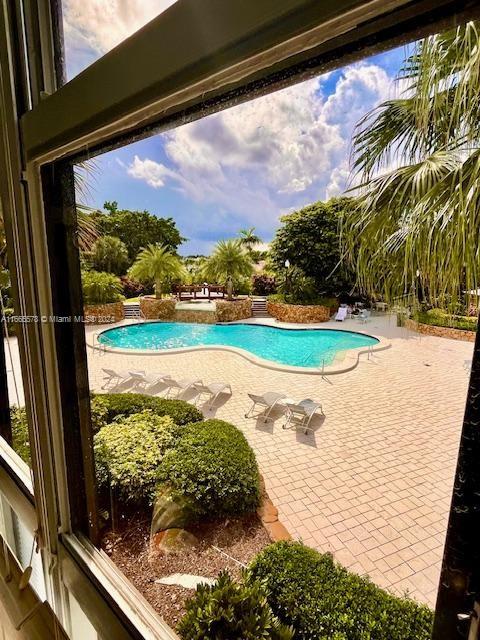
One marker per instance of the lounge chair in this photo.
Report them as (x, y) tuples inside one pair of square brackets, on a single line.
[(148, 379), (212, 391), (180, 385), (301, 413), (268, 401), (341, 314), (117, 377)]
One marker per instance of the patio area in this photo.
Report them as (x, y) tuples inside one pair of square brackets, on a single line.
[(372, 484)]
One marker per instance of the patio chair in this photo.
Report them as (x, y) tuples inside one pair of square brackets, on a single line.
[(116, 377), (148, 379), (212, 391), (268, 401), (301, 413), (341, 314), (181, 386), (364, 316)]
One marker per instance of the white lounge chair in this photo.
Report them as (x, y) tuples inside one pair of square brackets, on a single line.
[(212, 391), (341, 314), (301, 413), (116, 377), (180, 385), (268, 401), (148, 379)]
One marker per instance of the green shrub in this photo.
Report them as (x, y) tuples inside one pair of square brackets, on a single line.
[(332, 303), (106, 407), (129, 451), (20, 437), (214, 466), (101, 288), (230, 611), (442, 318), (322, 600)]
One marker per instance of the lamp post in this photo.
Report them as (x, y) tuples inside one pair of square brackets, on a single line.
[(287, 282)]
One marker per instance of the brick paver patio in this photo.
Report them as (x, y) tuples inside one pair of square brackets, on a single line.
[(372, 483)]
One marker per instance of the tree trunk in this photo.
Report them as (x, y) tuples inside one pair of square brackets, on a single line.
[(158, 289)]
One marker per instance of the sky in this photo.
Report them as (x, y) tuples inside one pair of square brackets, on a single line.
[(243, 167)]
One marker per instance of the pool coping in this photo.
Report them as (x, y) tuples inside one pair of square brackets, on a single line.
[(343, 362)]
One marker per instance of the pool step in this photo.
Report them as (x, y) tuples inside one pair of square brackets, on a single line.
[(132, 310), (259, 308)]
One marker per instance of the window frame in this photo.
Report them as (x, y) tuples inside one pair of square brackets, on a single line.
[(254, 47)]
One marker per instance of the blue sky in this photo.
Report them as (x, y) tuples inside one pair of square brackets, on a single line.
[(239, 168)]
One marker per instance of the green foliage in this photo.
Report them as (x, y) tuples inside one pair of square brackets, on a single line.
[(105, 407), (157, 264), (323, 601), (110, 254), (263, 284), (303, 296), (100, 287), (129, 451), (214, 466), (310, 240), (9, 314), (20, 437), (441, 318), (138, 229), (230, 611), (228, 260)]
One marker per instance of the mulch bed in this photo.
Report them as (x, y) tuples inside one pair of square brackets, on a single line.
[(128, 547)]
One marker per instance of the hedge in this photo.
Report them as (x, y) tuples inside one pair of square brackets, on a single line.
[(215, 468), (106, 407), (230, 611), (129, 451), (323, 601), (441, 318)]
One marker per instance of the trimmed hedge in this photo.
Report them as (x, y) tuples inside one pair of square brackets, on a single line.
[(441, 318), (106, 407), (323, 601), (230, 611), (129, 451), (213, 466)]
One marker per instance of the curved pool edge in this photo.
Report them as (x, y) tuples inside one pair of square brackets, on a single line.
[(344, 361)]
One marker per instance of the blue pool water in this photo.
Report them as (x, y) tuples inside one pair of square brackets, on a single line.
[(295, 347)]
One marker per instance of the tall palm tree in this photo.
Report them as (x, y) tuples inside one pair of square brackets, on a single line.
[(418, 224), (249, 239), (157, 264), (229, 260)]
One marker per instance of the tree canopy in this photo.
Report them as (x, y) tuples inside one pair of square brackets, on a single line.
[(418, 224), (157, 264), (110, 254), (138, 229), (309, 239), (228, 260)]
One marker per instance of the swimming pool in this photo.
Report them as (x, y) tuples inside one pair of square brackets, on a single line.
[(295, 347)]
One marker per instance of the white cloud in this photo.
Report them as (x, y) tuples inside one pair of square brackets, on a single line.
[(274, 154), (102, 24)]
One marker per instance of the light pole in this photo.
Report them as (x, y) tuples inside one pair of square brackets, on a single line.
[(287, 283)]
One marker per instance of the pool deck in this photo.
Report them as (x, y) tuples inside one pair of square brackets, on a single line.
[(372, 483)]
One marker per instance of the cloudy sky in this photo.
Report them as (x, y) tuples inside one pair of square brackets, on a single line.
[(238, 168)]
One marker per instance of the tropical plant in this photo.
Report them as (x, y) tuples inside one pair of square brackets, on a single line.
[(100, 288), (133, 288), (138, 229), (228, 610), (310, 240), (229, 260), (157, 264), (249, 239), (420, 221), (110, 254), (263, 284)]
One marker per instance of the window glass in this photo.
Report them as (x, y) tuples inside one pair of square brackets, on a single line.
[(94, 27)]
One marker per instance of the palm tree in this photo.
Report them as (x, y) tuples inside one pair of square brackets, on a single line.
[(110, 254), (249, 239), (418, 224), (157, 264), (229, 261)]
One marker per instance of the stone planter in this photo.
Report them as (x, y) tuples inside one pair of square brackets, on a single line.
[(231, 310), (302, 314), (103, 313), (440, 332), (154, 309)]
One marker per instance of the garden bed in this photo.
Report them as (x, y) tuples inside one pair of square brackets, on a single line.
[(129, 549)]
